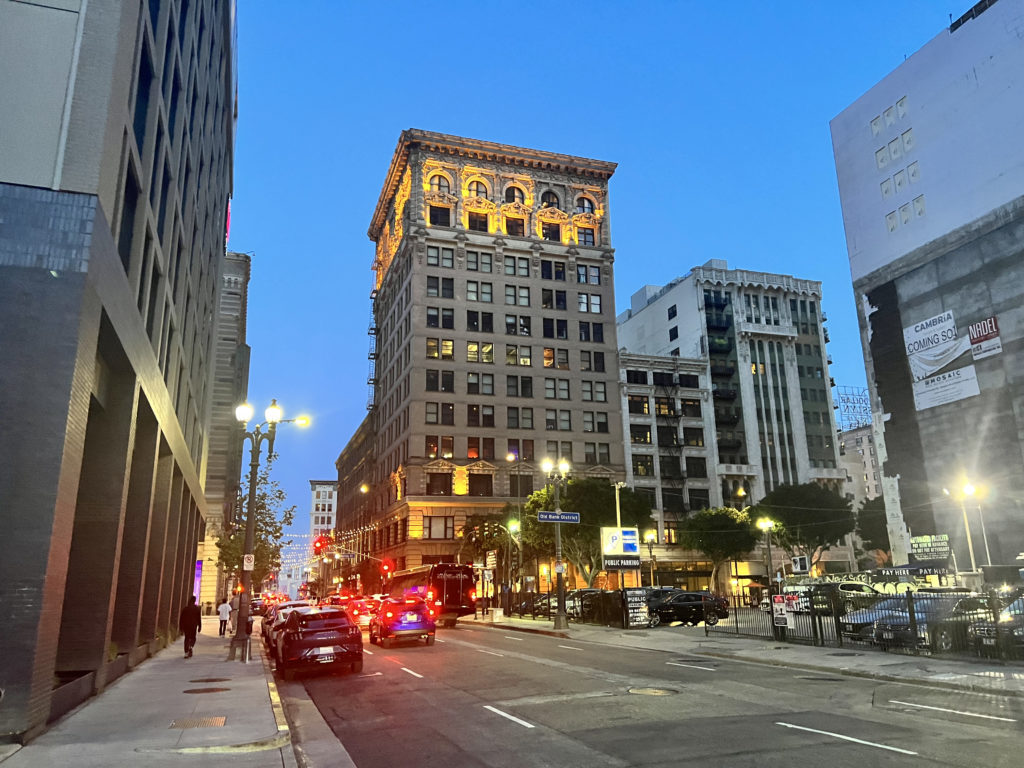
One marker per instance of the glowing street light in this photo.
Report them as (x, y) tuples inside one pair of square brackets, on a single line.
[(767, 525), (557, 476)]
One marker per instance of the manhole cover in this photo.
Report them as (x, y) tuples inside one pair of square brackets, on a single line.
[(205, 690), (210, 680), (846, 653), (198, 722), (653, 691)]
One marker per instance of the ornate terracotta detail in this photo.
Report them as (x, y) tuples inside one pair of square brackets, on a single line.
[(586, 220), (553, 215), (516, 210), (479, 205), (391, 234), (432, 197)]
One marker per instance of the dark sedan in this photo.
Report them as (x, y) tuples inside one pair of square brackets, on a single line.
[(402, 619), (940, 623), (988, 638), (690, 608), (859, 624), (319, 638)]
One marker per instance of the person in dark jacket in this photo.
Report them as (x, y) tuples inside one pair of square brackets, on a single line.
[(189, 622)]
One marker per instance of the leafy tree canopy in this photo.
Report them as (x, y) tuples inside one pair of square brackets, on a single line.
[(271, 517), (721, 534), (809, 518)]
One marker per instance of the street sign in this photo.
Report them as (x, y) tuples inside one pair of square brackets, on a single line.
[(800, 564), (248, 562), (558, 517), (346, 555), (780, 617)]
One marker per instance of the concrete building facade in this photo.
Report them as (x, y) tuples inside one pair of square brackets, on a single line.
[(322, 507), (230, 388), (494, 325), (931, 180), (762, 340), (115, 175)]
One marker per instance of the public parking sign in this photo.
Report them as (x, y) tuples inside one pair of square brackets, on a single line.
[(780, 616)]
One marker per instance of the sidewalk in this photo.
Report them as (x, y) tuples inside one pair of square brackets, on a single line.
[(983, 675), (216, 712)]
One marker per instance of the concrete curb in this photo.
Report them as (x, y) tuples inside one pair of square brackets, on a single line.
[(527, 630)]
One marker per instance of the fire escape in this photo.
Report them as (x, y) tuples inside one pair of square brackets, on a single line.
[(371, 378)]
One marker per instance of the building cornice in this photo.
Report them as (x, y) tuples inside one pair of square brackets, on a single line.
[(477, 150)]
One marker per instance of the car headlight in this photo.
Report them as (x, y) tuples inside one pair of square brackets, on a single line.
[(1017, 632), (972, 630)]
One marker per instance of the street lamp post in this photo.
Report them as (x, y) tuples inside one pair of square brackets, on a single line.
[(514, 457), (256, 438), (970, 490), (650, 537), (557, 476), (967, 526), (766, 525)]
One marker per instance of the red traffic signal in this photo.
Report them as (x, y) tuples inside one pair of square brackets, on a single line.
[(319, 544), (387, 567)]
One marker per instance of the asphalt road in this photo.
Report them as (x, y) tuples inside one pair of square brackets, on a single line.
[(488, 697)]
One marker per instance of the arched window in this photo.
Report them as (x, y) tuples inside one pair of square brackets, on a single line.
[(549, 199), (514, 195), (584, 205), (477, 189), (439, 183)]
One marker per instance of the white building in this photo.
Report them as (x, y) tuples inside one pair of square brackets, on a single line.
[(930, 166), (322, 507)]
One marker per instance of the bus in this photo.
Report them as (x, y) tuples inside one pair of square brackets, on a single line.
[(449, 587)]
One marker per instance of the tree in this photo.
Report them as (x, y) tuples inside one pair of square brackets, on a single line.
[(271, 517), (581, 544), (722, 534), (873, 530), (809, 518)]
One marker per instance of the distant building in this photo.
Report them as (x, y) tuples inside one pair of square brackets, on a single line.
[(230, 387), (322, 507), (931, 179), (116, 158), (860, 460), (762, 338)]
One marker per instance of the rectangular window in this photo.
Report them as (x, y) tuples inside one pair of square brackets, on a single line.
[(690, 408), (433, 286), (584, 331), (672, 312), (448, 318), (433, 317), (638, 404), (693, 436), (433, 347), (643, 466), (512, 417), (598, 331), (511, 325), (673, 333), (524, 325), (585, 235), (510, 295), (636, 377), (439, 527), (440, 257), (478, 262), (472, 320), (524, 296), (472, 290), (551, 231), (696, 466), (478, 222), (448, 413), (640, 434), (515, 227), (431, 413), (447, 288), (440, 216), (447, 349), (664, 406)]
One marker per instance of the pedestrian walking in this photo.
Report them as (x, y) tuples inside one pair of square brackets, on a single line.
[(234, 612), (224, 612), (189, 622)]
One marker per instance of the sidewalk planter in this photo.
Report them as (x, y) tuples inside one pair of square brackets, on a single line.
[(114, 669), (69, 694)]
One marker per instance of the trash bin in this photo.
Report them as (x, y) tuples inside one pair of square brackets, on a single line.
[(208, 608)]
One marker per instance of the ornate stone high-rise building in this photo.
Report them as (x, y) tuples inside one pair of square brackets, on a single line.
[(495, 346)]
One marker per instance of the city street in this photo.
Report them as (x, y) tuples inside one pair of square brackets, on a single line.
[(488, 697)]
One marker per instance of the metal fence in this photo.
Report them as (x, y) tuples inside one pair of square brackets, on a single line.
[(935, 623)]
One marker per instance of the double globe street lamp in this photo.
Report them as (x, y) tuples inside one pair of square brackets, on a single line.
[(256, 437), (558, 475)]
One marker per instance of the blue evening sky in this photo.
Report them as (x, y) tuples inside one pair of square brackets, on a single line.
[(716, 113)]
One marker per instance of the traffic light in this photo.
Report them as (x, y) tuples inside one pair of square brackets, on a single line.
[(387, 568), (319, 544)]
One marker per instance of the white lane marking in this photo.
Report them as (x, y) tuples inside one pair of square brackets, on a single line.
[(954, 711), (513, 718), (691, 666), (481, 650), (414, 674), (570, 648), (438, 640), (368, 653), (848, 738), (372, 674), (517, 639)]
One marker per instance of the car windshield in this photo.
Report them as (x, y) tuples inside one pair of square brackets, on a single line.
[(1016, 608)]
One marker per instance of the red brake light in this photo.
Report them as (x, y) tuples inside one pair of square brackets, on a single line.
[(389, 614), (410, 600), (430, 594)]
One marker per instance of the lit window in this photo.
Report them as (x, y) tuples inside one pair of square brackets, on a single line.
[(439, 183), (478, 222)]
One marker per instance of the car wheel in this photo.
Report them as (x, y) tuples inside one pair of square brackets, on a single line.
[(430, 640), (286, 672), (943, 642), (655, 620), (711, 620), (357, 666), (385, 642)]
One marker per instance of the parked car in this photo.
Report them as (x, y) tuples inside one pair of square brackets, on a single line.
[(398, 618), (273, 622), (691, 608), (941, 624), (361, 611), (986, 641), (860, 624), (318, 638), (658, 595), (535, 602), (579, 603)]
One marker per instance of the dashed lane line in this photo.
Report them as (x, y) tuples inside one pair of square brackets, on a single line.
[(848, 738), (953, 711), (513, 718)]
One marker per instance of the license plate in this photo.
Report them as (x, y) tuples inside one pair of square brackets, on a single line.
[(887, 635), (849, 627), (988, 641), (325, 651), (411, 617)]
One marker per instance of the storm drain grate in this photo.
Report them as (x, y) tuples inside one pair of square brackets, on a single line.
[(205, 690), (210, 680), (198, 722)]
